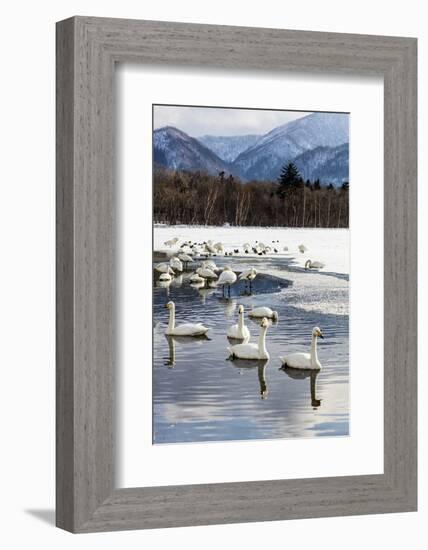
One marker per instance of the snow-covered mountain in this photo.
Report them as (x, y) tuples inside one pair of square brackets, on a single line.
[(317, 144), (328, 164), (284, 143), (229, 147), (176, 150)]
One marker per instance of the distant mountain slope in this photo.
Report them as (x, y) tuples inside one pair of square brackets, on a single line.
[(317, 143), (229, 147), (283, 144), (328, 164), (176, 150)]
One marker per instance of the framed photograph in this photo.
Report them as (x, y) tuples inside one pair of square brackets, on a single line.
[(236, 274)]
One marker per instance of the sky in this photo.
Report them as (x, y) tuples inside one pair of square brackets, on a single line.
[(199, 121)]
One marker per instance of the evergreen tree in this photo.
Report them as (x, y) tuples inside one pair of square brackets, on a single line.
[(289, 180)]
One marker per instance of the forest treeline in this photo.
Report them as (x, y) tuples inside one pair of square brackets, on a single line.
[(196, 198)]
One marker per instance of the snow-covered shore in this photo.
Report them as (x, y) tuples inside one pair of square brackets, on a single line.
[(330, 246)]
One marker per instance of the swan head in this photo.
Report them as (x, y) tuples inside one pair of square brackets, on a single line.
[(170, 305), (308, 263), (317, 332), (241, 309), (264, 323)]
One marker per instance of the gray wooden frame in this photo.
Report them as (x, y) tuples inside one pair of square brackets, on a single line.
[(87, 50)]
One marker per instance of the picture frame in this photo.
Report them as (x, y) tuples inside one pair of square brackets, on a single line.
[(87, 50)]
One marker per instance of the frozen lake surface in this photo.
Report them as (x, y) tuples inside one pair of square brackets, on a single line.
[(200, 395)]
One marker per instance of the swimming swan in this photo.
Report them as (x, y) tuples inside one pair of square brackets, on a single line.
[(166, 277), (239, 331), (302, 248), (313, 265), (186, 329), (305, 360), (249, 350), (264, 312)]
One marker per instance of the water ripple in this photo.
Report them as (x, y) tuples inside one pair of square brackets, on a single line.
[(200, 395)]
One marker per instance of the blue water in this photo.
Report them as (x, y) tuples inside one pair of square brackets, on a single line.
[(201, 395)]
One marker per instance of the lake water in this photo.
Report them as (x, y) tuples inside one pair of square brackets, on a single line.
[(200, 395)]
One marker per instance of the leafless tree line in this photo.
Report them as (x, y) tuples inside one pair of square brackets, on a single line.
[(196, 198)]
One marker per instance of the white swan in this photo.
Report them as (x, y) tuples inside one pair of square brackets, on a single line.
[(300, 360), (206, 273), (264, 312), (166, 277), (176, 264), (219, 247), (302, 248), (252, 351), (227, 277), (164, 268), (210, 264), (209, 249), (171, 242), (186, 329), (196, 278), (314, 265), (239, 331), (185, 258), (248, 275)]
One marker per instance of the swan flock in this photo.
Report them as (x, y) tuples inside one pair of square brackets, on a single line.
[(208, 275), (246, 349)]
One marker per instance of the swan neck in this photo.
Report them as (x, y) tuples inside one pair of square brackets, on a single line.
[(314, 355), (241, 323), (262, 340), (171, 322)]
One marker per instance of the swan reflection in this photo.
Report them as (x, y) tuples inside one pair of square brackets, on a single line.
[(229, 306), (177, 281), (165, 285), (181, 340), (205, 292), (248, 364), (300, 374)]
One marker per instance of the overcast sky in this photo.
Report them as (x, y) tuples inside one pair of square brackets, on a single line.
[(198, 121)]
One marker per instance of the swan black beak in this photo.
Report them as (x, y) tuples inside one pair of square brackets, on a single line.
[(321, 336)]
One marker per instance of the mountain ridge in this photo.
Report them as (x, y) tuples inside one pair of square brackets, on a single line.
[(284, 143), (228, 148), (175, 149), (318, 144)]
